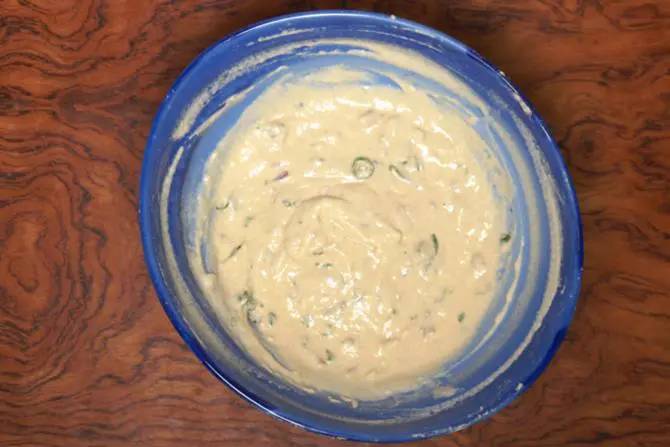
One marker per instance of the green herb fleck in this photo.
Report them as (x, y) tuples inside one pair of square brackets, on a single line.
[(427, 330), (362, 168), (248, 220), (436, 243), (224, 206), (233, 252), (461, 317), (329, 330), (287, 203), (401, 174), (329, 355), (505, 238), (246, 298), (324, 265), (272, 318)]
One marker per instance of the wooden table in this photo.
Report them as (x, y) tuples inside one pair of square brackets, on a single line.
[(87, 356)]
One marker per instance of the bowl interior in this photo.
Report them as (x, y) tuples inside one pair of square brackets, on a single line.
[(543, 297)]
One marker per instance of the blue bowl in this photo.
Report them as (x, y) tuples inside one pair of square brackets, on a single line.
[(480, 383)]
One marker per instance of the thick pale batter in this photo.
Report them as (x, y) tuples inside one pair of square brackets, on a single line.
[(350, 236)]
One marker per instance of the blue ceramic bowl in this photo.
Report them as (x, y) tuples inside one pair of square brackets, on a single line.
[(486, 378)]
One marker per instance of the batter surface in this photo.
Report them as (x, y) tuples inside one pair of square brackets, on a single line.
[(350, 236)]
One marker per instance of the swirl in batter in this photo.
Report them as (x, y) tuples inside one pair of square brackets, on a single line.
[(350, 234)]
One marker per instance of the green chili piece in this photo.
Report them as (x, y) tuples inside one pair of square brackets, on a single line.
[(246, 298), (252, 316), (362, 168)]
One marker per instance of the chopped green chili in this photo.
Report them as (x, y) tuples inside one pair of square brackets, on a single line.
[(427, 250), (362, 168), (247, 301)]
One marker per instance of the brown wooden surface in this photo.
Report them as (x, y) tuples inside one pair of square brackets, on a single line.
[(87, 356)]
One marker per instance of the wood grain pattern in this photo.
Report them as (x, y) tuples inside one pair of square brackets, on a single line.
[(87, 356)]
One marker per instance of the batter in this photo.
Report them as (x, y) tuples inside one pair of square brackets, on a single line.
[(350, 234)]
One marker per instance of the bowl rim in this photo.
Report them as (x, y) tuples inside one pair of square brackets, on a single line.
[(182, 327)]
